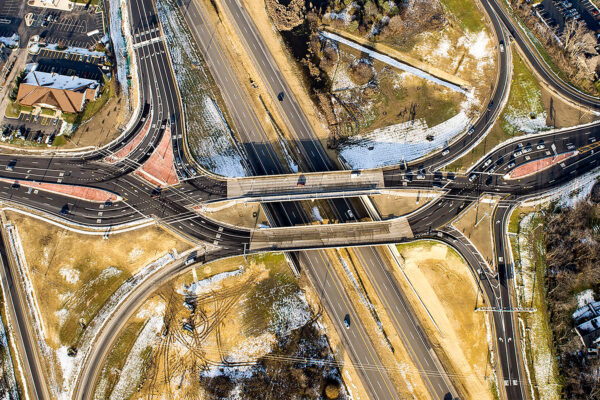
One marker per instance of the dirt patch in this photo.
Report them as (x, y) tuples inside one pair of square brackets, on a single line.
[(246, 215), (476, 224), (103, 126), (391, 206), (437, 274), (232, 326), (73, 275)]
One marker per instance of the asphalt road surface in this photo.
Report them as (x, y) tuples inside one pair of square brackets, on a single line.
[(160, 103)]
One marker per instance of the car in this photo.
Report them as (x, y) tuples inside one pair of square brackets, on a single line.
[(11, 165), (570, 146), (471, 130), (488, 180), (510, 165), (501, 46), (527, 148), (156, 192), (473, 177), (540, 146), (450, 176), (280, 96), (491, 105), (492, 169), (408, 176), (487, 162), (64, 210), (350, 214), (445, 152), (592, 139), (347, 321)]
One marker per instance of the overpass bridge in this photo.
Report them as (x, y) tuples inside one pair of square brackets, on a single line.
[(305, 186), (335, 235)]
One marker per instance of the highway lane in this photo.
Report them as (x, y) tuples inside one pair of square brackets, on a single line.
[(158, 52), (34, 373), (317, 160), (537, 62)]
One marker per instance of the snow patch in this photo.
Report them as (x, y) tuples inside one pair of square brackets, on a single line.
[(585, 297), (316, 214), (479, 46), (70, 275), (405, 141), (12, 41), (208, 284), (524, 123), (132, 370), (290, 313)]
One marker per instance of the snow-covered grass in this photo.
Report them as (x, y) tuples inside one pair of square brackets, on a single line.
[(10, 41), (75, 50), (535, 330), (8, 383), (406, 141), (392, 62), (131, 373), (524, 112), (118, 40), (210, 138), (208, 284)]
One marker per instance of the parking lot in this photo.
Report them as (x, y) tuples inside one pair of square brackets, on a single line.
[(69, 68), (36, 129), (63, 55), (81, 27), (11, 15)]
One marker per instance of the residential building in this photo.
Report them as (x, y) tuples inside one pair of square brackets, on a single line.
[(587, 324), (59, 92)]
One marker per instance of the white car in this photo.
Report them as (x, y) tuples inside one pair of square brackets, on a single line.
[(445, 152)]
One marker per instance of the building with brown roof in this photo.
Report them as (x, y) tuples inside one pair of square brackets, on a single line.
[(58, 92)]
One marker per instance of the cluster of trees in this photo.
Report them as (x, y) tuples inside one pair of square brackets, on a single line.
[(300, 20), (280, 375), (574, 50), (397, 21), (573, 264)]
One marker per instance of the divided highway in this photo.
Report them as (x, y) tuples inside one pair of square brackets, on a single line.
[(161, 105)]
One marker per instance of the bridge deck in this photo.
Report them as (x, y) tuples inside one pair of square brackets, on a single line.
[(305, 183), (298, 237)]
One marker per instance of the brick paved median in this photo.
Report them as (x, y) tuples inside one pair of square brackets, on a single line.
[(78, 192), (536, 166)]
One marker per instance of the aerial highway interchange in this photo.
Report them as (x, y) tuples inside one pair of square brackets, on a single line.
[(174, 207)]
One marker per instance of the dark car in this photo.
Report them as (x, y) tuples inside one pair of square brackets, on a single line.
[(280, 96), (347, 321), (490, 105)]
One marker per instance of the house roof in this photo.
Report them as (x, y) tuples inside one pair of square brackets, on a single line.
[(56, 81), (65, 100), (67, 93)]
